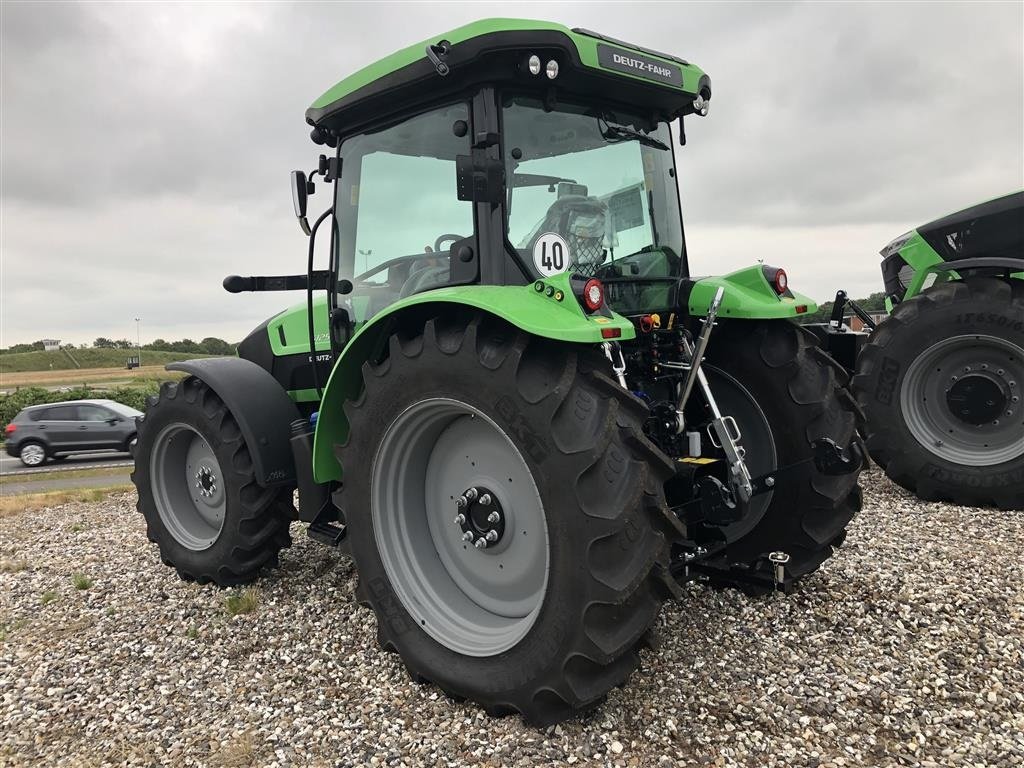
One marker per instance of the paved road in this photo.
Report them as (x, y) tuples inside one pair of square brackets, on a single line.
[(77, 461)]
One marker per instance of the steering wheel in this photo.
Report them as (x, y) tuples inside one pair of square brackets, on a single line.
[(444, 238)]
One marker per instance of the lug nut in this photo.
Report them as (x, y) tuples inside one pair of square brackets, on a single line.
[(467, 536), (492, 536), (493, 517), (461, 502), (480, 544), (485, 499), (472, 493), (460, 519), (770, 482)]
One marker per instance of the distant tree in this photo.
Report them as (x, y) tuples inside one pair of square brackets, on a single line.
[(185, 345), (103, 343), (157, 344), (211, 345), (124, 344), (873, 303)]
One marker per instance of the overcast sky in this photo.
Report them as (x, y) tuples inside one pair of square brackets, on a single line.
[(146, 147)]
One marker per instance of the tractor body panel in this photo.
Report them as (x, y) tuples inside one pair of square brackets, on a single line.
[(983, 238), (748, 296)]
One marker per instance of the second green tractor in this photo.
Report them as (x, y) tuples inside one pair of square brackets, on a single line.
[(505, 395)]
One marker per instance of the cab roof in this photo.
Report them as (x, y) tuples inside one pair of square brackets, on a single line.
[(496, 51)]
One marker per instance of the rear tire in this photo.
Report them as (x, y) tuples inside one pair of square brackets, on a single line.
[(934, 378), (799, 391), (576, 437), (32, 453), (216, 523)]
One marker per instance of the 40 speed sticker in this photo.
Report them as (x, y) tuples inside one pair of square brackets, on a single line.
[(550, 254)]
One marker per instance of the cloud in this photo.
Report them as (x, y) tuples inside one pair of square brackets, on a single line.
[(145, 147)]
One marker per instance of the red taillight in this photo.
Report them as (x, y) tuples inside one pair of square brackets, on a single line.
[(780, 282), (801, 309), (611, 333), (9, 429), (593, 295)]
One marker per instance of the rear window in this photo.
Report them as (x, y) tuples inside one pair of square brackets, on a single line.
[(57, 413)]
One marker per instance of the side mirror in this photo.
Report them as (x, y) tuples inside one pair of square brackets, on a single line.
[(299, 196)]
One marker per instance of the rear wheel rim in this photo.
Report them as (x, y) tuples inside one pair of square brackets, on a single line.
[(937, 393), (757, 440), (33, 455), (188, 486), (474, 601)]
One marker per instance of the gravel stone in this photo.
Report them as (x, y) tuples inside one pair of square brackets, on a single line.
[(905, 650)]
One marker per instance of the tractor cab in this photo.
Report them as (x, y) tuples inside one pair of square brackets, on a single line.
[(507, 152)]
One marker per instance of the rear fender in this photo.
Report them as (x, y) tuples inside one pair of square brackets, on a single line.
[(748, 296), (528, 308)]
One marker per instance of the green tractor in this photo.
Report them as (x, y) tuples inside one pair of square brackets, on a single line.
[(940, 380), (504, 395)]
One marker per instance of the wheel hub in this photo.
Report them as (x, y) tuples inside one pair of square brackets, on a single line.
[(480, 517), (206, 482), (976, 399)]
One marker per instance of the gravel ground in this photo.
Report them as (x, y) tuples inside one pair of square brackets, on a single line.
[(906, 649)]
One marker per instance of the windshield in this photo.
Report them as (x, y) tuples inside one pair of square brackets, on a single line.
[(593, 192)]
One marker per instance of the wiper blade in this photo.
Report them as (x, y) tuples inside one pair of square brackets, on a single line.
[(616, 133)]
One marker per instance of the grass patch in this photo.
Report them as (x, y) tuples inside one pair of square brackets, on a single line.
[(81, 581), (6, 630), (48, 597), (71, 474), (192, 633), (10, 565), (240, 752), (245, 601), (31, 502)]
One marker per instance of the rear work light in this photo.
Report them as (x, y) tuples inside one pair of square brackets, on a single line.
[(593, 294), (777, 279)]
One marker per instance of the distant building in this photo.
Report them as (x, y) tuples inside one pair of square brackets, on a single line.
[(51, 344), (856, 324)]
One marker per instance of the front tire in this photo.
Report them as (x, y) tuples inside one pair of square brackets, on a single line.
[(941, 382), (550, 617), (198, 492)]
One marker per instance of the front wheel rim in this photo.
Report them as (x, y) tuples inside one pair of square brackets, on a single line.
[(475, 600), (932, 399), (188, 486)]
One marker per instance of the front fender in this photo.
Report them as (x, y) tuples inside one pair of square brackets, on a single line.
[(748, 296), (261, 408), (525, 307)]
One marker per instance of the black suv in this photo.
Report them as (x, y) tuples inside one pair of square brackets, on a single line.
[(52, 431)]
